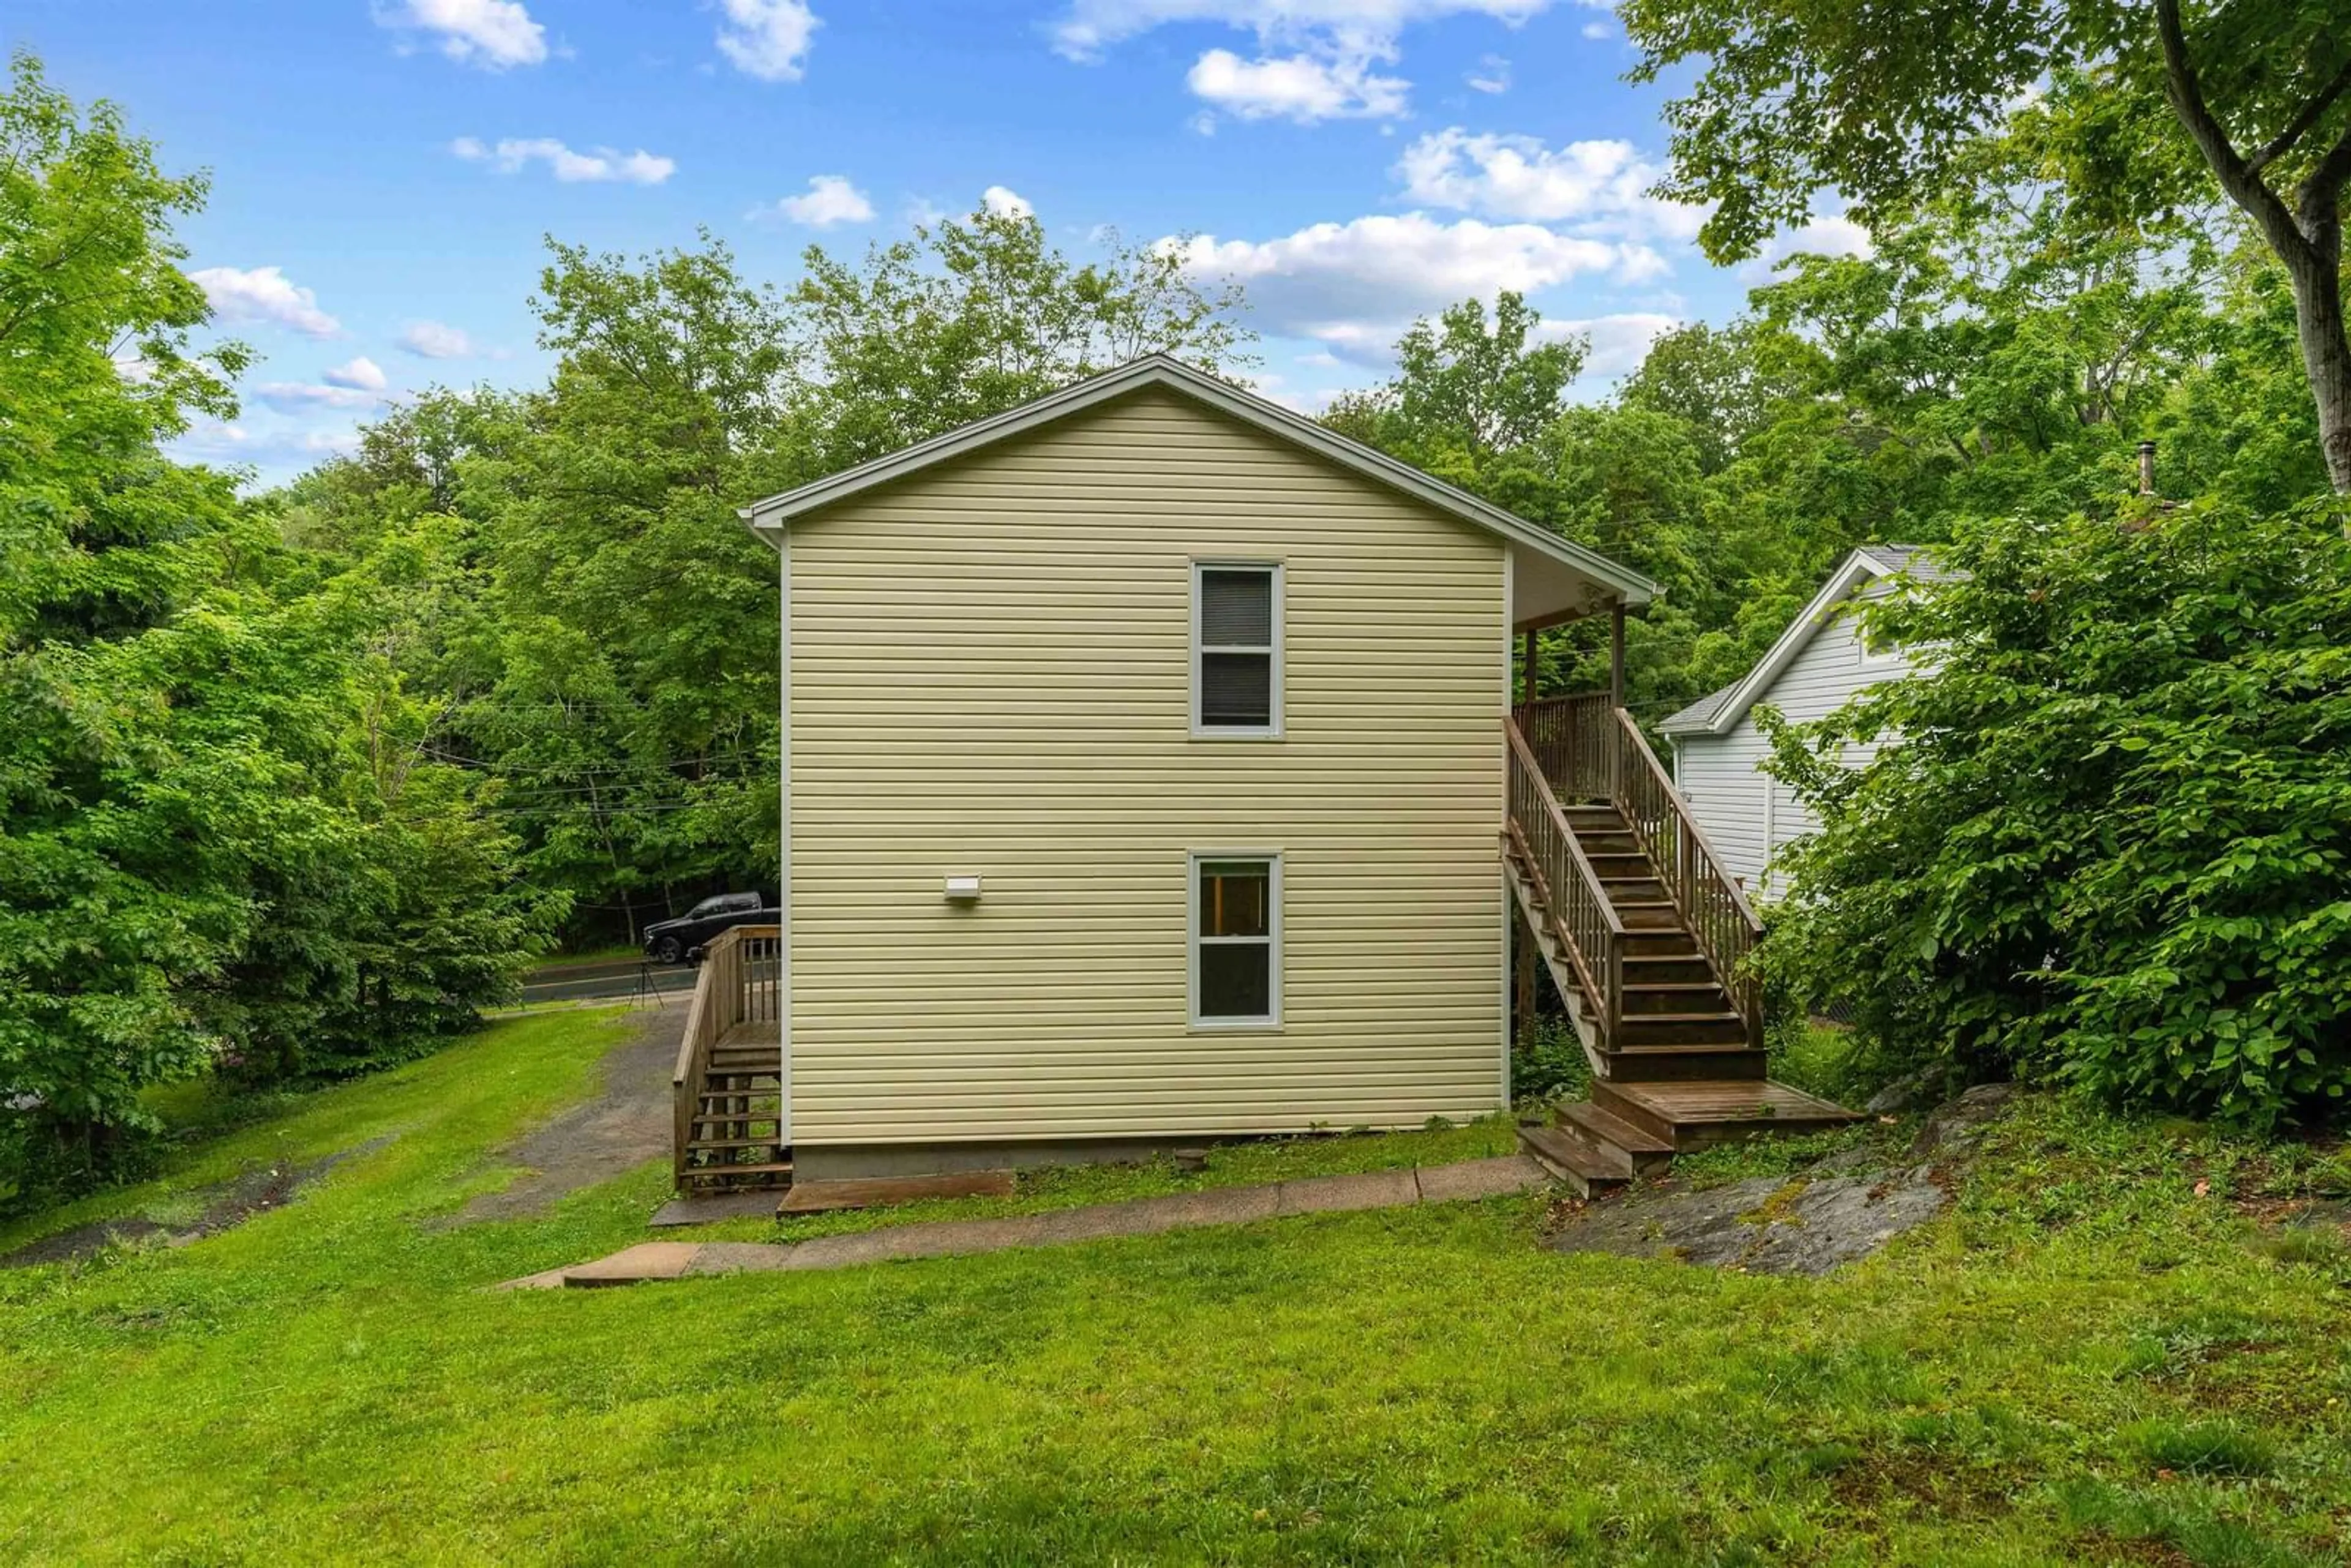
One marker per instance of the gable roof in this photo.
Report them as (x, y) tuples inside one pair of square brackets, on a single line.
[(1173, 375), (1699, 714), (1868, 568)]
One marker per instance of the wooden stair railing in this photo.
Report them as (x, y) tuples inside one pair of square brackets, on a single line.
[(1583, 921), (1570, 737), (1681, 1061), (1713, 909), (736, 987), (1584, 747)]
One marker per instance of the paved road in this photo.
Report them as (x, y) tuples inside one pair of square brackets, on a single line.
[(616, 979)]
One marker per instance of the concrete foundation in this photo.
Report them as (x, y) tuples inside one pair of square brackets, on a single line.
[(857, 1161)]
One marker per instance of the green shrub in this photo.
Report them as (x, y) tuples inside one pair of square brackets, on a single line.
[(2112, 845), (1548, 1064)]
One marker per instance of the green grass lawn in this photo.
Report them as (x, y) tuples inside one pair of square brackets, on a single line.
[(2084, 1361)]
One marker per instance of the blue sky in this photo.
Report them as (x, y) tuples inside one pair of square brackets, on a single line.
[(385, 169)]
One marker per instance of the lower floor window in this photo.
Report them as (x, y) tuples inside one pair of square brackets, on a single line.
[(1236, 938)]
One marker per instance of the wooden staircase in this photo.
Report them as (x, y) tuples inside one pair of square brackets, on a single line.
[(728, 1094), (1646, 937)]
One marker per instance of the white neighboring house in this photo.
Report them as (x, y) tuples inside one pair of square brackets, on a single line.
[(1819, 662)]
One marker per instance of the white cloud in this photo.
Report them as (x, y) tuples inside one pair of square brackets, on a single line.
[(1303, 87), (1492, 74), (1315, 58), (362, 375), (1601, 184), (829, 199), (1354, 286), (271, 451), (1369, 26), (599, 164), (293, 396), (1619, 342), (434, 341), (491, 34), (263, 294), (1832, 234), (1597, 30), (1006, 204), (766, 38)]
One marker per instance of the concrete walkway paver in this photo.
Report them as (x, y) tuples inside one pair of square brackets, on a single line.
[(1493, 1178)]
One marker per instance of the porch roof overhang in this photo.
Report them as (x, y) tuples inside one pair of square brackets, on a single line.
[(1553, 579)]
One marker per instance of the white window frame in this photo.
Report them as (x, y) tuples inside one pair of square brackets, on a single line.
[(1271, 940), (1272, 729), (1873, 658)]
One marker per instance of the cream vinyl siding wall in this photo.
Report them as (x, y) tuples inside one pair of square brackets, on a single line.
[(991, 675)]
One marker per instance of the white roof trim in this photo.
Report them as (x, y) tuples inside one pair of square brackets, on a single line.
[(1158, 369), (1859, 568)]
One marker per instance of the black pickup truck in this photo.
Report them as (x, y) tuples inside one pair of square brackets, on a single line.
[(682, 940)]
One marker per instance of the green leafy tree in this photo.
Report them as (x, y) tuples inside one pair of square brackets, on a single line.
[(2142, 110), (970, 317), (1467, 392), (198, 867), (597, 623), (1714, 382), (2107, 839)]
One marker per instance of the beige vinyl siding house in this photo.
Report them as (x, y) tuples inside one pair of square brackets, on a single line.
[(999, 649)]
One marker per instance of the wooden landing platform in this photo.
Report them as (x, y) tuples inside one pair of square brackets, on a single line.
[(1690, 1115)]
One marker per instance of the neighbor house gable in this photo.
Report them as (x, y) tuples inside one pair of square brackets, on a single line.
[(1863, 572)]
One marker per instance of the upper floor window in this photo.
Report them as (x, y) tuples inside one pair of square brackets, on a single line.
[(1875, 647), (1236, 649)]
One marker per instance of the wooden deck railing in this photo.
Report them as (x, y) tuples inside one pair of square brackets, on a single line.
[(1585, 747), (737, 985), (1582, 920), (1570, 737)]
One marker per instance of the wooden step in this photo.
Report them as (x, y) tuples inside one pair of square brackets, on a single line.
[(693, 1143), (1668, 970), (1684, 1063), (1615, 1140), (1675, 943), (1681, 1029), (1647, 996), (1568, 1159), (1598, 842), (701, 1178), (1627, 862), (1694, 1114), (1646, 916), (1643, 888)]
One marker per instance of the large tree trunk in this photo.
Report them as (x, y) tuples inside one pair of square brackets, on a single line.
[(2317, 282), (2307, 237)]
